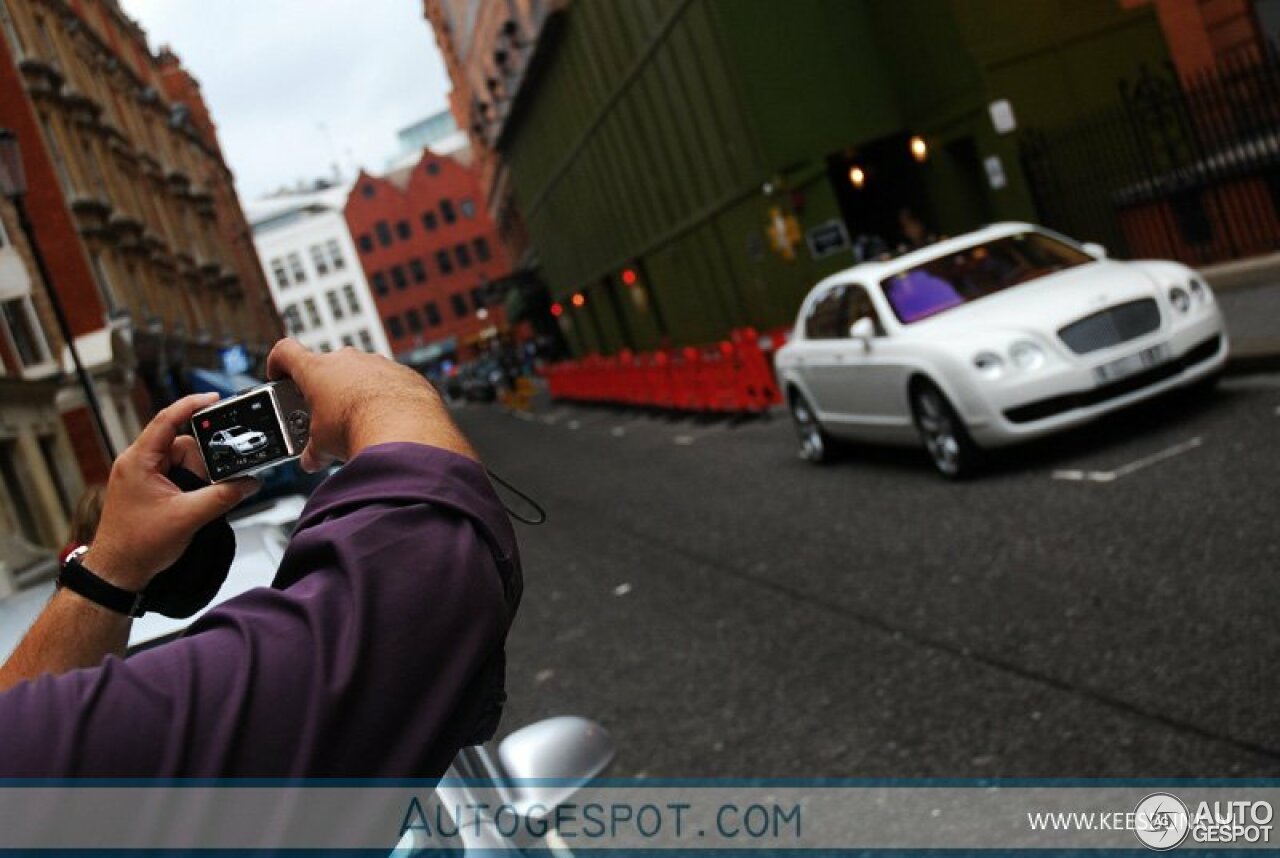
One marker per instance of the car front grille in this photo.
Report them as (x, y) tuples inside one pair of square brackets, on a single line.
[(1112, 326), (1056, 405)]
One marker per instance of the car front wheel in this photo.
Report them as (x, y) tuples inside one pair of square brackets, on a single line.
[(944, 434), (814, 445)]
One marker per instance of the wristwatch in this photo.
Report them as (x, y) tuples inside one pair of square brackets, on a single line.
[(76, 578)]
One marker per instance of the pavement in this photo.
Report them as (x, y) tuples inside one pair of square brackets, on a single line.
[(1248, 291), (725, 609)]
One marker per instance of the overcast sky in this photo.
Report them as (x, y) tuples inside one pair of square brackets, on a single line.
[(274, 71)]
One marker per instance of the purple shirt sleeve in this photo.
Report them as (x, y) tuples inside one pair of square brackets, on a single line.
[(371, 655)]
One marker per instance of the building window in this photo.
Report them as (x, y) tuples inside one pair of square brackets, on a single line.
[(429, 221), (366, 243), (380, 283), (295, 267), (402, 229), (433, 314), (335, 305), (477, 297), (279, 273), (368, 190), (353, 303), (397, 276), (24, 332), (348, 340), (414, 320), (446, 211), (481, 247), (459, 305), (395, 327), (318, 260), (383, 232), (335, 254), (293, 319), (433, 168), (467, 206), (463, 255), (443, 261), (313, 313), (366, 341), (325, 347), (418, 270)]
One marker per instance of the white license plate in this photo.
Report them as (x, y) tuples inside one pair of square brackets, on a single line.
[(1131, 364)]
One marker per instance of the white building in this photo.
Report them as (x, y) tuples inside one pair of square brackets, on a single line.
[(313, 270)]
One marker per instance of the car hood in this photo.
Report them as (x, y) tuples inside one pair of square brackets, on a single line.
[(1047, 303)]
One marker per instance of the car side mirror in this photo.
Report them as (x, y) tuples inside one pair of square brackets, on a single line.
[(551, 760), (863, 329), (1097, 251)]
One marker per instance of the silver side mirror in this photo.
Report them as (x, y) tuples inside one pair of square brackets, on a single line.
[(551, 760), (1097, 251), (863, 329)]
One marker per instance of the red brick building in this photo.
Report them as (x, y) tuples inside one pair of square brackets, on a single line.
[(134, 209), (431, 253)]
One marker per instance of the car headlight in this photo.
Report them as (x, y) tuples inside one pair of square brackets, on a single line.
[(1179, 298), (990, 364), (1026, 355), (1200, 290)]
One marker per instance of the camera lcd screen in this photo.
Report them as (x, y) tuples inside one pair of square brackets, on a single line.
[(240, 436)]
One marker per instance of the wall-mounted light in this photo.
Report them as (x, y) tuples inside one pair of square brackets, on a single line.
[(482, 314), (919, 149), (579, 299), (557, 311), (857, 176)]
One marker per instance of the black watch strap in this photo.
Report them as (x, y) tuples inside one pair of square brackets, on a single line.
[(81, 581)]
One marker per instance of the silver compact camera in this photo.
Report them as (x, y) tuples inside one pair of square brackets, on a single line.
[(253, 430)]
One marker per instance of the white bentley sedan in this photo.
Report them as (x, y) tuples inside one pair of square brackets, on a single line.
[(994, 337)]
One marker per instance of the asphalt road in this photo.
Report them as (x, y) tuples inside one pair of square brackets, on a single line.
[(725, 609)]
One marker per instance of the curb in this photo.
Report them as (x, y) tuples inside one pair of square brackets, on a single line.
[(1241, 274)]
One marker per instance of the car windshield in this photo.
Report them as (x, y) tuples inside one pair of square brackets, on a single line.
[(237, 430), (976, 272)]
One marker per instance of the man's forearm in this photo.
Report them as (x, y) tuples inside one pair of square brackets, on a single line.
[(70, 633)]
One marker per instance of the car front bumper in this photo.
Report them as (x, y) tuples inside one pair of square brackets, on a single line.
[(1069, 396)]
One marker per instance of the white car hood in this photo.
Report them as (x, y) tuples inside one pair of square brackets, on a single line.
[(1047, 303)]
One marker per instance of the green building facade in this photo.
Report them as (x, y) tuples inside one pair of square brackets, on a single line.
[(663, 138)]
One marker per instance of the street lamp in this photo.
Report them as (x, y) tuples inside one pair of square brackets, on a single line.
[(13, 184)]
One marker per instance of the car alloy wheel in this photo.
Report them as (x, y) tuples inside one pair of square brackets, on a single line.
[(943, 433), (813, 442)]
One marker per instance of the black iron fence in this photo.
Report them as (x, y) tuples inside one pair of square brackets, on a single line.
[(1186, 170)]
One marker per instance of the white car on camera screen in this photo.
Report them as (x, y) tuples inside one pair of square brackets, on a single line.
[(239, 440), (998, 336)]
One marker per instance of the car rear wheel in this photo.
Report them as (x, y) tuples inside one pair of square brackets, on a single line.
[(814, 445), (944, 434)]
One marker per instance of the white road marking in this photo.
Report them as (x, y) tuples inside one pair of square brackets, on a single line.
[(1074, 475), (617, 431), (523, 415), (550, 419), (684, 440), (573, 424)]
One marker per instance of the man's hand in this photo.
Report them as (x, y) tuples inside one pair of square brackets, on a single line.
[(358, 400), (147, 521)]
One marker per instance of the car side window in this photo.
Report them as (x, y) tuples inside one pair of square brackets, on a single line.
[(825, 316), (857, 306)]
